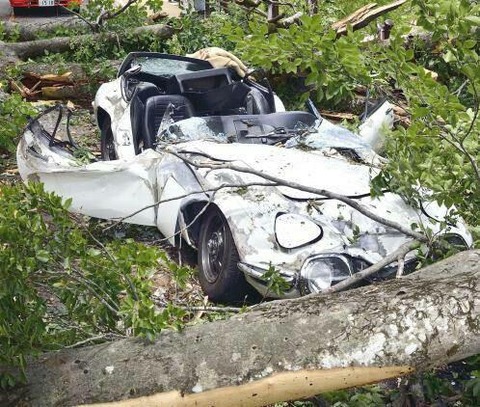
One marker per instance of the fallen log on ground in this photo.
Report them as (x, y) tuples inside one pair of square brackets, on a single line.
[(26, 31), (32, 49), (280, 350)]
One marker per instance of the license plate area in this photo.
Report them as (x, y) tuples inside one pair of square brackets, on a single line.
[(46, 3)]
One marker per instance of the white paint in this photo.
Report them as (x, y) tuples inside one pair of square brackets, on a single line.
[(197, 388), (109, 369), (409, 349), (236, 356)]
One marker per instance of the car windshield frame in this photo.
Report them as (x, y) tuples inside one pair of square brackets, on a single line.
[(183, 64)]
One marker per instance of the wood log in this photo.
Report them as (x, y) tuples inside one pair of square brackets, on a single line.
[(32, 49), (363, 16), (281, 350), (26, 31)]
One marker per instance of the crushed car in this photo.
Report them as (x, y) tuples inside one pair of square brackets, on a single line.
[(211, 158)]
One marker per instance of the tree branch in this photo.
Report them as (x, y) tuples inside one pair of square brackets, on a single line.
[(332, 195), (363, 16), (401, 252)]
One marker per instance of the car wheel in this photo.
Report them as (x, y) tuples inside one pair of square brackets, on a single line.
[(107, 143), (219, 275)]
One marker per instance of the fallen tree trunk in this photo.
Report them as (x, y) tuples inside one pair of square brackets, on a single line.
[(26, 31), (32, 49), (281, 350)]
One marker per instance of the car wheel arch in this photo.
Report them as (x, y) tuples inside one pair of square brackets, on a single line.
[(194, 209)]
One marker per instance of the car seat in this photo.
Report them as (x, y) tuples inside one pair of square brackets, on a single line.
[(155, 109), (143, 92), (256, 103)]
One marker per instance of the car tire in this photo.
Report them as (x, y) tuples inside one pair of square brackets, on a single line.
[(107, 143), (219, 276)]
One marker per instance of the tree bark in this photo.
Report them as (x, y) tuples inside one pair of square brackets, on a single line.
[(363, 16), (280, 350), (32, 49), (26, 31)]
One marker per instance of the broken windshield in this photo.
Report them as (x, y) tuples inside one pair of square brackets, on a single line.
[(163, 66), (325, 134), (224, 129)]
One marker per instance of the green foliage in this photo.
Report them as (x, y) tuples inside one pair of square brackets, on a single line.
[(13, 36), (195, 33), (326, 68), (14, 114), (368, 396), (440, 149), (275, 282), (59, 285)]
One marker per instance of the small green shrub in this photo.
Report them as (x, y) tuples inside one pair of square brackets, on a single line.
[(59, 285), (14, 114)]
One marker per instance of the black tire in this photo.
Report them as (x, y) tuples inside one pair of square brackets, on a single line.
[(107, 144), (219, 275)]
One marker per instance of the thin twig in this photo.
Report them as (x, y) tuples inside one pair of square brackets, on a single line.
[(246, 185), (92, 26), (105, 337), (115, 263), (197, 216), (211, 309)]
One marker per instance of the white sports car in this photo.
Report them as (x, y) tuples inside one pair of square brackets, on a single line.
[(213, 160)]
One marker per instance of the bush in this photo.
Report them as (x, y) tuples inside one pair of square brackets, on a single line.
[(59, 285)]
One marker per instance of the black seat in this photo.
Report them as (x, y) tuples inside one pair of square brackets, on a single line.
[(257, 103), (155, 109), (143, 91)]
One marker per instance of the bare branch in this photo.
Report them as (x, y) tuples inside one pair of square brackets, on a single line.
[(93, 27), (261, 184), (355, 278), (104, 16), (106, 337), (288, 21), (197, 216), (363, 16), (332, 195)]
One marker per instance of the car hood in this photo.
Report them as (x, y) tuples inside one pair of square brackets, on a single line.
[(320, 169)]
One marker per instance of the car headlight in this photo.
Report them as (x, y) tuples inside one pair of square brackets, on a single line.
[(321, 272), (292, 230)]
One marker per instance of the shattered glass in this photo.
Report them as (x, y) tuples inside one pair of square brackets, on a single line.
[(328, 135), (166, 67), (194, 128)]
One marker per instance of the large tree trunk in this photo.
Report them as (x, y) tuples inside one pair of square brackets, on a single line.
[(29, 31), (281, 350), (32, 49)]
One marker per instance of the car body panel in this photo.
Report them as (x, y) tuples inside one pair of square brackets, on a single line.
[(153, 180), (276, 177)]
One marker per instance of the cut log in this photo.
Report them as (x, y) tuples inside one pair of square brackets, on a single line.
[(281, 350)]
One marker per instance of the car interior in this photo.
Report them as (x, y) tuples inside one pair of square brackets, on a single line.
[(234, 105)]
